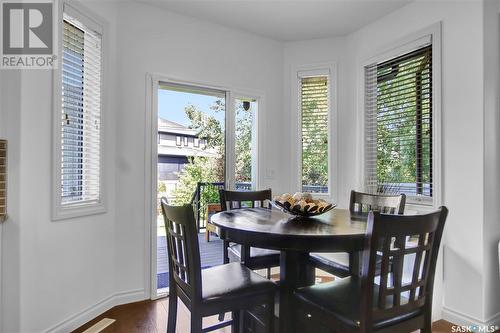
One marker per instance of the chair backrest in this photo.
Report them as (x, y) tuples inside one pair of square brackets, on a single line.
[(244, 199), (183, 248), (389, 204), (398, 241)]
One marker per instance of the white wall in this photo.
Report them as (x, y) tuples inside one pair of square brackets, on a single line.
[(10, 230), (152, 40), (52, 271), (462, 136), (491, 230)]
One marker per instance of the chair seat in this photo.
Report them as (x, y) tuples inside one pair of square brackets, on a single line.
[(341, 300), (254, 252), (340, 259), (233, 280), (333, 263)]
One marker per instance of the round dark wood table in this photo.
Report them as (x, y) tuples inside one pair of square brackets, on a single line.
[(335, 231)]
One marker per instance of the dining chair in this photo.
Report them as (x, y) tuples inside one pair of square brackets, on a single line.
[(252, 257), (230, 287), (341, 264), (382, 302)]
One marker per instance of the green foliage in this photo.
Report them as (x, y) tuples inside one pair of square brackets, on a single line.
[(199, 169), (397, 125), (208, 127), (209, 170), (314, 149), (162, 188), (203, 169), (243, 144), (314, 117)]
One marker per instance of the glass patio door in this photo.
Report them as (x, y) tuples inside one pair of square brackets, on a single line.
[(191, 151), (199, 132)]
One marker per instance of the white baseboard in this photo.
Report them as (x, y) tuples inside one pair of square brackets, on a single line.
[(95, 310), (494, 320), (459, 318)]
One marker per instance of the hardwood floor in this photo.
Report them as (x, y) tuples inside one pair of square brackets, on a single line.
[(151, 317)]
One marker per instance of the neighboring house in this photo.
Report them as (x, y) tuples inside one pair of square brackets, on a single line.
[(175, 144)]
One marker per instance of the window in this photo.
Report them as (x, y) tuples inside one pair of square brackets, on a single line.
[(398, 126), (178, 140), (196, 142), (314, 110), (185, 141), (78, 147), (245, 139)]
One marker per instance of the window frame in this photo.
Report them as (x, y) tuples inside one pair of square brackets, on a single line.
[(322, 69), (256, 148), (59, 210), (405, 45)]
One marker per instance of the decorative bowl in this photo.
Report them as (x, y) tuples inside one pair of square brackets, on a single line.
[(308, 210)]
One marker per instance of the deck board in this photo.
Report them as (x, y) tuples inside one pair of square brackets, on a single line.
[(210, 255)]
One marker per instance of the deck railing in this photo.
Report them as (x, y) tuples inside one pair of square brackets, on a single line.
[(201, 207)]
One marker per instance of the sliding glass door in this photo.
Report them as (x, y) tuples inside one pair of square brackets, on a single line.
[(191, 150), (206, 140)]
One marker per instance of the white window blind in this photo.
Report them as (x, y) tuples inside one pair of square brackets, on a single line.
[(81, 114), (314, 132), (398, 126)]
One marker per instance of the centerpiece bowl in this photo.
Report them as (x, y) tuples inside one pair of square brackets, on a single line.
[(301, 204)]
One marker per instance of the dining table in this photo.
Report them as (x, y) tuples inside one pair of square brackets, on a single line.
[(337, 230)]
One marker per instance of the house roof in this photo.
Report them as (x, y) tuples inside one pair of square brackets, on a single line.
[(168, 126)]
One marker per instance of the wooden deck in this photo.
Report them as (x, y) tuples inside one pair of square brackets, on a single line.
[(210, 253)]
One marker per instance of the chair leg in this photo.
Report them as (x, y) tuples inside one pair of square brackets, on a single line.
[(225, 255), (269, 272), (207, 235), (172, 312), (225, 260), (427, 322), (269, 316), (196, 322), (235, 327)]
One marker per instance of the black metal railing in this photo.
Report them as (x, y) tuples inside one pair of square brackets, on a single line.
[(200, 201)]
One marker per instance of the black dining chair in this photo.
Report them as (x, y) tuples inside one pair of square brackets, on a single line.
[(230, 287), (340, 264), (252, 257), (384, 302)]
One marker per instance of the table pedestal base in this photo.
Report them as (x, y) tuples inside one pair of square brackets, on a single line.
[(295, 272)]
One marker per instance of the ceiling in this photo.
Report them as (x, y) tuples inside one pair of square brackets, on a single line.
[(286, 20)]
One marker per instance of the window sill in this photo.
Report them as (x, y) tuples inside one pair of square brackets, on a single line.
[(77, 210), (414, 208)]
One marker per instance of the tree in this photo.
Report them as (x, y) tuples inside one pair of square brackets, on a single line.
[(397, 99), (209, 170), (203, 169), (243, 144), (314, 121), (199, 169)]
